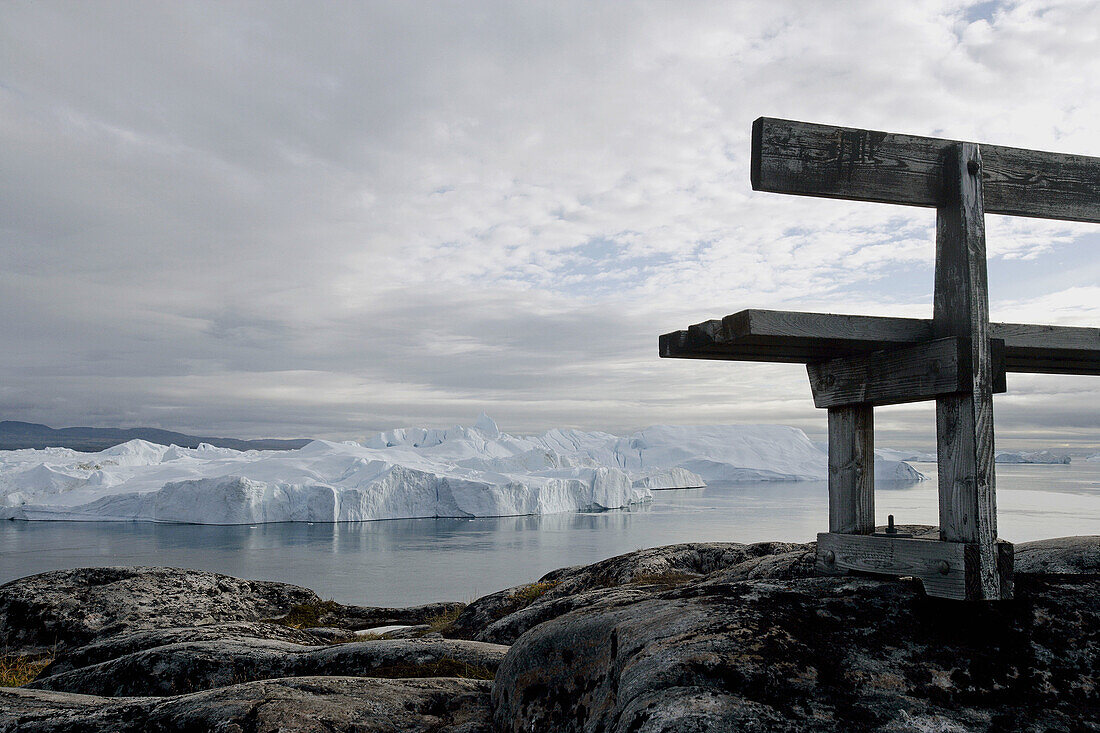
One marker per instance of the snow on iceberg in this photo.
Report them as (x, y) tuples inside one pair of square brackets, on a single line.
[(1039, 456), (461, 471)]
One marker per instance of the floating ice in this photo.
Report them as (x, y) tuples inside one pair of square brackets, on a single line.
[(473, 471), (1039, 456)]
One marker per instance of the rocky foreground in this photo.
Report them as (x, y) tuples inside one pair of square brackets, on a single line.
[(692, 637)]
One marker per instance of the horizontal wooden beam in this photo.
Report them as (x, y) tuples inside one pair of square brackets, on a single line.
[(801, 338), (945, 569), (866, 165), (899, 375)]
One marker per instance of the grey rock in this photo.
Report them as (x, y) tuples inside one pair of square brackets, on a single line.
[(329, 614), (191, 666), (73, 607), (670, 564), (650, 570), (128, 642), (509, 628), (1073, 555), (325, 634), (302, 705), (707, 636), (411, 632), (70, 608), (785, 564), (812, 654), (365, 617)]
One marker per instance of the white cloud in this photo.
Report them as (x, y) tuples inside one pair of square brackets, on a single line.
[(290, 219)]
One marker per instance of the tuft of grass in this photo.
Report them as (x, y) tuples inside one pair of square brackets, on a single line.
[(19, 669), (533, 592), (672, 579), (307, 615), (443, 622)]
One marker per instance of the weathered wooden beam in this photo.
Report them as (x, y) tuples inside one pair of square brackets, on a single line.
[(964, 420), (800, 338), (866, 165), (852, 469), (945, 569), (899, 375)]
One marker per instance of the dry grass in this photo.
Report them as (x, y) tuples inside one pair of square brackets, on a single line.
[(17, 670), (671, 579), (533, 592), (443, 622), (306, 615)]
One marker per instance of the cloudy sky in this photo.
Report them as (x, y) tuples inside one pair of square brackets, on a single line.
[(300, 219)]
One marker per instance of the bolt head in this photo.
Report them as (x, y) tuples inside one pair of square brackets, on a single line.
[(829, 557), (944, 568), (972, 167)]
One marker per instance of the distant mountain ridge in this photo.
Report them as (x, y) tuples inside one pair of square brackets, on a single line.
[(15, 435)]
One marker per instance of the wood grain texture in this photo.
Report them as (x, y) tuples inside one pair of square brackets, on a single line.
[(800, 338), (899, 375), (852, 469), (867, 165), (964, 421), (926, 560)]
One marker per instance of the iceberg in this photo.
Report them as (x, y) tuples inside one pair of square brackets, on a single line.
[(894, 454), (462, 471), (1040, 456)]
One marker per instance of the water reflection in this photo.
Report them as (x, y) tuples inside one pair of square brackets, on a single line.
[(418, 560)]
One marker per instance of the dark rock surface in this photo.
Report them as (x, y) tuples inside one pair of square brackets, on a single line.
[(691, 637), (128, 642), (1073, 555), (302, 705), (185, 667), (329, 614), (793, 653), (365, 617), (511, 626), (503, 616), (324, 635), (73, 607)]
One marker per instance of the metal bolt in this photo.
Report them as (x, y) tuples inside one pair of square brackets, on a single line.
[(829, 557), (973, 167), (890, 528), (944, 568)]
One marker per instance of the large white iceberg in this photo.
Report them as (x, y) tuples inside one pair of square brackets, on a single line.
[(1039, 456), (457, 472)]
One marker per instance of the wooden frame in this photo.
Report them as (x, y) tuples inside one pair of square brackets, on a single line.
[(958, 358)]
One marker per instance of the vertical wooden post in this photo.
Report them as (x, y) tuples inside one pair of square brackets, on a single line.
[(852, 469), (964, 420)]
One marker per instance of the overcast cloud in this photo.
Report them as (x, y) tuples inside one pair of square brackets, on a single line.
[(326, 219)]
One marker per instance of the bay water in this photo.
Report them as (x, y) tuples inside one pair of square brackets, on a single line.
[(409, 561)]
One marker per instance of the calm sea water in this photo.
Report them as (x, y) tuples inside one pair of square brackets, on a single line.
[(408, 561)]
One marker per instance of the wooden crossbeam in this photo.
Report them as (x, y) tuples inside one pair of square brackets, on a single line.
[(867, 165), (946, 569), (902, 374), (800, 338)]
